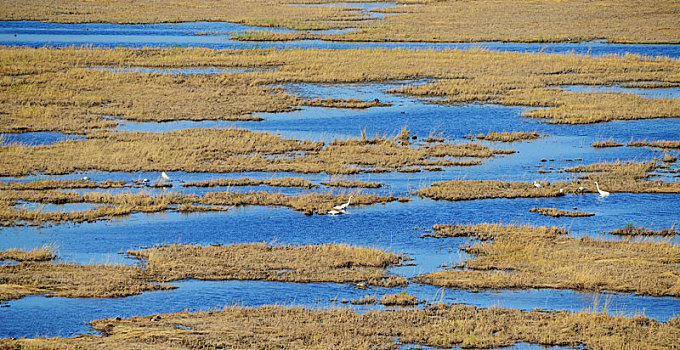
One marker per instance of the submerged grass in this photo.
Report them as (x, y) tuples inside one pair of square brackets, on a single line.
[(352, 184), (546, 257), (254, 261), (554, 212), (607, 143), (442, 326)]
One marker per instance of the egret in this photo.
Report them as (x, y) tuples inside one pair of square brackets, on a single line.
[(85, 178), (342, 207), (145, 180), (602, 193), (561, 190), (165, 176), (581, 189), (537, 185)]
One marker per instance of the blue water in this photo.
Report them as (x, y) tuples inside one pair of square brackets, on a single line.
[(37, 138), (396, 227), (670, 93), (37, 34)]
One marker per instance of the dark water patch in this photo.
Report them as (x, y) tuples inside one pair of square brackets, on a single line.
[(37, 138)]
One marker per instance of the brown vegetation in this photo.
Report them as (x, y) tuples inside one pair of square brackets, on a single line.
[(429, 21), (546, 257), (664, 144), (630, 230), (399, 299), (606, 143), (255, 261), (60, 184), (352, 184), (280, 182), (127, 203), (44, 253), (558, 213), (509, 136), (612, 176), (228, 150), (48, 89), (442, 326)]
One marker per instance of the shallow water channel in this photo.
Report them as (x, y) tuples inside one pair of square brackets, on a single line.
[(396, 227)]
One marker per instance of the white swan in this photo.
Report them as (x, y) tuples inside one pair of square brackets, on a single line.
[(602, 193), (342, 207)]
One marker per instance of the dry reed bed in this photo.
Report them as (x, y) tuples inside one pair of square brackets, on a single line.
[(255, 261), (352, 184), (612, 176), (429, 21), (554, 212), (663, 144), (509, 136), (254, 12), (399, 299), (44, 253), (60, 184), (546, 257), (50, 89), (128, 203), (630, 230), (281, 182), (442, 326), (606, 143), (229, 150)]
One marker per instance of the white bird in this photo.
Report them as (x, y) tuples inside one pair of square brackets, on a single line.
[(165, 176), (537, 185), (581, 189), (85, 178), (342, 207), (335, 212), (145, 180), (561, 190), (602, 193)]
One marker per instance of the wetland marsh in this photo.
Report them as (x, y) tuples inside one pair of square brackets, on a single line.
[(339, 175)]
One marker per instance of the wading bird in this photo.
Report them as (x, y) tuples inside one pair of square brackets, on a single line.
[(165, 176), (581, 189), (342, 207), (602, 193), (537, 185)]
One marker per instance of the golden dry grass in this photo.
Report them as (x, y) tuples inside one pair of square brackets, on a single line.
[(554, 212), (53, 89), (228, 150), (630, 230), (60, 184), (127, 203), (280, 182), (44, 253), (663, 144), (545, 257), (606, 143), (443, 326), (432, 21), (509, 136), (614, 177), (399, 299), (352, 184), (260, 261), (255, 261)]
